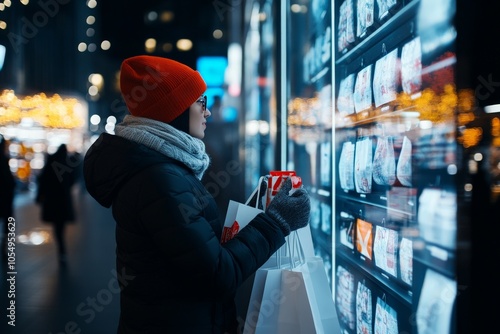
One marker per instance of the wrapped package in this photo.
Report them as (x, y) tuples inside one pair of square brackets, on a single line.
[(384, 248), (386, 318), (384, 162), (364, 238), (346, 25), (275, 180), (363, 90), (364, 312), (345, 102), (345, 298), (406, 260), (404, 167), (365, 15), (411, 66), (363, 166), (384, 6), (385, 79), (346, 166)]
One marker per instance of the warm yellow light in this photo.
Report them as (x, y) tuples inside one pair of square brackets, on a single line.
[(167, 16), (150, 45), (105, 45), (184, 44), (82, 47), (167, 47), (91, 3), (96, 79), (53, 112)]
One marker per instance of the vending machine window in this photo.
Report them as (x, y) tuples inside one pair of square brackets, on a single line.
[(310, 113), (395, 162)]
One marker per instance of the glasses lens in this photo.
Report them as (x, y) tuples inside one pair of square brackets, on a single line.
[(203, 101)]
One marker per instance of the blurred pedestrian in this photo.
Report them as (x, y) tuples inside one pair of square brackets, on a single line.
[(7, 192), (216, 109), (174, 273), (55, 197)]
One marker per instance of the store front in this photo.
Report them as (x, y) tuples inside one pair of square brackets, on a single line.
[(35, 126), (386, 109)]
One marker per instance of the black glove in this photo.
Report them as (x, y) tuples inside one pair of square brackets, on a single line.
[(291, 212)]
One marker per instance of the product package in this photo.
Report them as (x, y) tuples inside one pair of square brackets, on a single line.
[(364, 238), (275, 180), (385, 249), (238, 215), (386, 79), (364, 312)]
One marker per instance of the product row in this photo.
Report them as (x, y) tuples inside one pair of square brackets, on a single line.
[(386, 247), (368, 163), (362, 308), (358, 18), (359, 164), (396, 71)]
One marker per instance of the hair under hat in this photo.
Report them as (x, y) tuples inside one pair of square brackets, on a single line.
[(159, 88)]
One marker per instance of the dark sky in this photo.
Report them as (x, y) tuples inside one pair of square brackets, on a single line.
[(124, 24)]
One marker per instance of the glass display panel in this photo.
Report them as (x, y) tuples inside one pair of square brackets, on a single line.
[(310, 113), (395, 162)]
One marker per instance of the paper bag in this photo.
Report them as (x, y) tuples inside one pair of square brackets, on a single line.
[(265, 297), (238, 216), (308, 303), (301, 302), (265, 301)]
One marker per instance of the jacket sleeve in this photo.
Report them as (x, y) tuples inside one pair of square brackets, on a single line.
[(179, 227)]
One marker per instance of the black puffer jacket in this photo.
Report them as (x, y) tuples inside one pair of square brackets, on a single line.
[(175, 275)]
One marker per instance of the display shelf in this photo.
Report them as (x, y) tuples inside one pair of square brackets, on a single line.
[(407, 13), (390, 284), (436, 257)]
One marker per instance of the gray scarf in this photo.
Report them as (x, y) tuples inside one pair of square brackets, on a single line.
[(166, 140)]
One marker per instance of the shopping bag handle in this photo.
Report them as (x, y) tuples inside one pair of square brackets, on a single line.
[(256, 192), (295, 249)]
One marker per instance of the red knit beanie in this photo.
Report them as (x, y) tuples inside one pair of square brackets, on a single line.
[(159, 88)]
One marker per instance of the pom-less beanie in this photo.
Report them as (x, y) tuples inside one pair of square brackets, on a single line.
[(159, 88)]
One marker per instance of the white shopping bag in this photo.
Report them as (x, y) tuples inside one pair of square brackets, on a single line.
[(292, 295), (308, 305), (238, 216), (265, 297), (265, 301)]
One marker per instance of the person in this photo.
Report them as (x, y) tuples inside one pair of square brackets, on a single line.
[(7, 193), (216, 108), (55, 198), (174, 273)]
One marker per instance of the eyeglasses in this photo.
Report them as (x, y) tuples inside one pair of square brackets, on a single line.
[(203, 101)]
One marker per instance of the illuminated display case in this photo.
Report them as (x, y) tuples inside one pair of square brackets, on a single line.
[(397, 163), (309, 112), (404, 177)]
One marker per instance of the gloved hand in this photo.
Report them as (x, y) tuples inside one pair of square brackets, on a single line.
[(291, 212)]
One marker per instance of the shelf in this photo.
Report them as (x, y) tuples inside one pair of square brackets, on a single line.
[(392, 285), (377, 205), (406, 14)]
